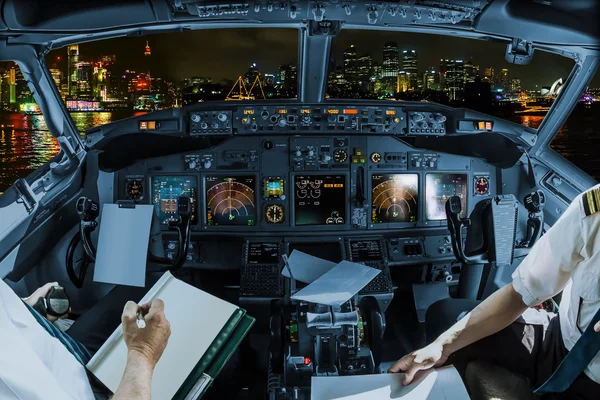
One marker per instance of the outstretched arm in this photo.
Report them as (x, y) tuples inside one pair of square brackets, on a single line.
[(145, 347), (492, 315)]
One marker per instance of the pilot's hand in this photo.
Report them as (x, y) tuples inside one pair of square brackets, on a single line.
[(40, 293), (597, 326), (152, 340), (425, 358)]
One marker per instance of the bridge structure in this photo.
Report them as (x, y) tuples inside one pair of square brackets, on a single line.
[(240, 92)]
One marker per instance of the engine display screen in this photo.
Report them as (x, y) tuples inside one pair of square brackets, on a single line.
[(439, 188), (263, 253), (165, 192), (365, 250), (320, 199), (395, 198), (230, 200)]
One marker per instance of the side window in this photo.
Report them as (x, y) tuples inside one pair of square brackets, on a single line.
[(577, 139), (25, 142)]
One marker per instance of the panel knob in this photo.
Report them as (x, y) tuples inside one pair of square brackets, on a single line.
[(207, 164), (222, 117)]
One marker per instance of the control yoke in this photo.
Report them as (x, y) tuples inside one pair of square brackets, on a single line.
[(183, 227), (455, 226), (534, 203), (499, 227)]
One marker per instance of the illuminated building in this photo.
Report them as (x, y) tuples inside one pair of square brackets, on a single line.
[(471, 71), (452, 77), (147, 51), (409, 66), (12, 82), (391, 65), (403, 82), (73, 59), (502, 80), (364, 70), (269, 80), (351, 65), (251, 74), (489, 76), (289, 76), (431, 80), (515, 85)]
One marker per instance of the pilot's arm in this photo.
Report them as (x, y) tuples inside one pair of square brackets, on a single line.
[(544, 273), (144, 348)]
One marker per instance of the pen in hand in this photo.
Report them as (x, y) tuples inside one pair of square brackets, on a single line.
[(141, 323)]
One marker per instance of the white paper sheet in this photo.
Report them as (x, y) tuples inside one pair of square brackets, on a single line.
[(338, 285), (439, 384), (306, 268), (123, 245)]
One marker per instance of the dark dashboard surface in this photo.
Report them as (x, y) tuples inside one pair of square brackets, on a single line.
[(292, 172)]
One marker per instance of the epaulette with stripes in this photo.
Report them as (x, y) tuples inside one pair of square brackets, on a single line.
[(591, 201)]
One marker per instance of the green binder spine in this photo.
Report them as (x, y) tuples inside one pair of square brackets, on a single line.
[(219, 352)]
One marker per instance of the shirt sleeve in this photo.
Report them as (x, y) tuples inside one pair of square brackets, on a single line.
[(548, 267)]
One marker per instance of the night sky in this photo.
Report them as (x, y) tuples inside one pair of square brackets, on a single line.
[(227, 53)]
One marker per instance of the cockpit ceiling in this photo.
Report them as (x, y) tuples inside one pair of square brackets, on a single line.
[(548, 22)]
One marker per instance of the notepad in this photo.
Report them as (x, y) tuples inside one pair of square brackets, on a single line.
[(205, 331)]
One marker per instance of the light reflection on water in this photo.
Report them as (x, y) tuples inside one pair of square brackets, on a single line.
[(26, 144)]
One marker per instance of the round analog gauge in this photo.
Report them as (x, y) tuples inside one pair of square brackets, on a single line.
[(376, 158), (482, 186), (135, 189), (340, 156), (274, 214)]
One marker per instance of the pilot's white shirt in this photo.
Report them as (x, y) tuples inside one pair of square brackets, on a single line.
[(33, 364), (567, 257)]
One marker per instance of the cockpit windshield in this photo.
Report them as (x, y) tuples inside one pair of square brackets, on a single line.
[(444, 69), (108, 80)]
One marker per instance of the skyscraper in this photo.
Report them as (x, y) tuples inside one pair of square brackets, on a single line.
[(73, 60), (489, 75), (431, 80), (504, 80), (147, 50), (515, 85), (471, 71), (409, 65), (452, 74), (364, 69), (391, 64), (351, 65)]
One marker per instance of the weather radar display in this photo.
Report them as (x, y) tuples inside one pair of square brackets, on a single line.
[(230, 200), (395, 198)]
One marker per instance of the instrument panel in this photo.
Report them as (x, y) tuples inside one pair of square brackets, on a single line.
[(309, 168)]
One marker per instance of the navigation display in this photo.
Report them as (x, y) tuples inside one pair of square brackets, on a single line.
[(165, 192), (395, 198), (263, 253), (320, 199), (439, 188), (230, 200)]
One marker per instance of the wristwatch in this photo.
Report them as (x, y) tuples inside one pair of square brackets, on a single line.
[(56, 303)]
